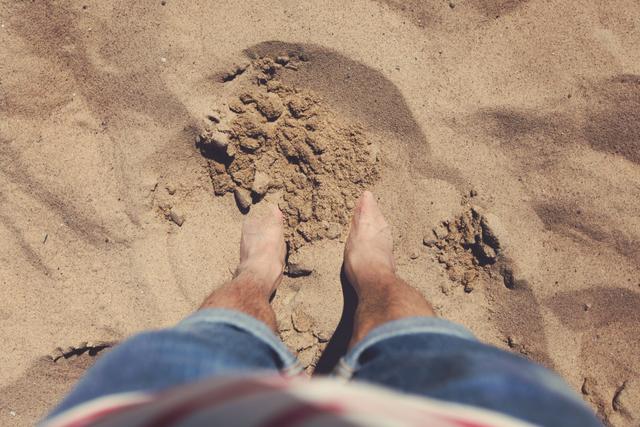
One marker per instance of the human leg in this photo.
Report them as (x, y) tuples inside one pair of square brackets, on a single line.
[(399, 343), (233, 332), (262, 253), (370, 269)]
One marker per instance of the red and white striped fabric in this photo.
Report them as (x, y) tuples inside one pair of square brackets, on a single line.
[(270, 401)]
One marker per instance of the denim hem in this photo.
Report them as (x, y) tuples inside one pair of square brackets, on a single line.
[(396, 328), (290, 364)]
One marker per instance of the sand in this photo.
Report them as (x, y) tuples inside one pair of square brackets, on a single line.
[(506, 157), (279, 143)]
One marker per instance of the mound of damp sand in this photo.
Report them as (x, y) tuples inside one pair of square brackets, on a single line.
[(467, 247), (276, 140)]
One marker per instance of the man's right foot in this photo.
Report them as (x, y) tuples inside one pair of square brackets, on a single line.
[(370, 269), (369, 247)]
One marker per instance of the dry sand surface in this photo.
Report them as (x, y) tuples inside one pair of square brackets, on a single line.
[(500, 136)]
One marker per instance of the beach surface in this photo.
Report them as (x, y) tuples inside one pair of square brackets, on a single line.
[(500, 137)]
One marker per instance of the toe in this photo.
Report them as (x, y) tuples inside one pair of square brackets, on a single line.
[(363, 205), (276, 212)]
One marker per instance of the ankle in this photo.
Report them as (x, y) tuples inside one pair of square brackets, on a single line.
[(260, 276), (372, 277)]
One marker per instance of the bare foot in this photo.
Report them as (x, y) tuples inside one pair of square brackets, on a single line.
[(262, 247), (262, 252), (369, 267), (369, 248)]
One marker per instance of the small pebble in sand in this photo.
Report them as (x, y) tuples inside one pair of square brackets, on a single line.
[(350, 205), (261, 183), (282, 60), (440, 231), (177, 217), (250, 144), (627, 399), (171, 189), (299, 264), (236, 106), (587, 386), (100, 344), (302, 321), (509, 276), (215, 116), (270, 106), (307, 356), (414, 255), (322, 335), (247, 98), (243, 198), (218, 140), (298, 269), (468, 280), (473, 193), (488, 253), (586, 307), (429, 241), (333, 231), (163, 59)]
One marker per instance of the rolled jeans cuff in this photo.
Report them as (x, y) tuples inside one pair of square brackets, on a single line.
[(396, 328), (202, 319)]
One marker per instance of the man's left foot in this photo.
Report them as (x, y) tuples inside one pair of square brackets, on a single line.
[(262, 247)]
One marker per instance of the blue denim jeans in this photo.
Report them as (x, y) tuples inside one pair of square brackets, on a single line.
[(424, 356)]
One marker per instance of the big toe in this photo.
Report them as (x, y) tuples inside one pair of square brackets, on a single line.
[(263, 217), (368, 210)]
